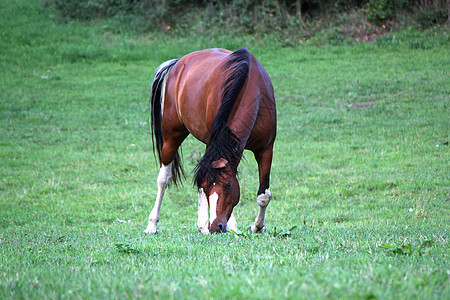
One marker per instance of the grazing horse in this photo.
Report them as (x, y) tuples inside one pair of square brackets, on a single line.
[(224, 99)]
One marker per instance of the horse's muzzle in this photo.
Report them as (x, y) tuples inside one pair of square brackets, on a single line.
[(218, 228)]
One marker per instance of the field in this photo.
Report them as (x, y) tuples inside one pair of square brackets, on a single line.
[(360, 180)]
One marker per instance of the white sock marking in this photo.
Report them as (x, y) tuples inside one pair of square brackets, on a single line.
[(202, 222), (263, 200), (232, 224), (164, 176)]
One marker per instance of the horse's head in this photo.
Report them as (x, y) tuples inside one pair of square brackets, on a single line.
[(222, 195)]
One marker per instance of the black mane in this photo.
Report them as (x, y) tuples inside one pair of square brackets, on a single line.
[(223, 142)]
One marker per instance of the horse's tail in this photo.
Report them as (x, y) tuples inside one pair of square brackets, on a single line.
[(156, 113), (223, 142)]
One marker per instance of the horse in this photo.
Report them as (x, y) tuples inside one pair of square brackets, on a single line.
[(225, 100)]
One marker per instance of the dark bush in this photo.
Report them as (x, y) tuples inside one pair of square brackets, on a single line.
[(90, 9), (381, 11), (429, 17), (291, 19)]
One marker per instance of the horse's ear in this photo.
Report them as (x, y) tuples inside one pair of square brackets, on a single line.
[(220, 163)]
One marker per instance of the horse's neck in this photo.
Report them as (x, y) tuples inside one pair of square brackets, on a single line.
[(243, 117)]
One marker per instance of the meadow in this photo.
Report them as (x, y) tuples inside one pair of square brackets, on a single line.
[(360, 177)]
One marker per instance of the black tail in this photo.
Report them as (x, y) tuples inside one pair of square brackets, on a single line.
[(156, 100), (223, 142)]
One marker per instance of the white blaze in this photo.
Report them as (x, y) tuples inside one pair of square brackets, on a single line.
[(213, 207)]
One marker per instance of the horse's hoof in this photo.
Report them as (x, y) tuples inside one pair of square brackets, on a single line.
[(203, 230), (255, 229), (151, 229)]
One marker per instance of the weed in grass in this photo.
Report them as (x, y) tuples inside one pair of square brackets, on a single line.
[(125, 248), (283, 233), (406, 249)]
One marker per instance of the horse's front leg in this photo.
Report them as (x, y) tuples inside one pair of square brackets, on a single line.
[(264, 160), (232, 224), (203, 217), (164, 176), (263, 200)]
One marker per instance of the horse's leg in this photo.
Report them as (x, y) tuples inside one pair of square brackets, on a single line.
[(164, 176), (169, 149), (202, 222), (264, 161), (232, 224)]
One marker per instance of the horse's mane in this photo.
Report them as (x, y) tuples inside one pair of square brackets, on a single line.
[(223, 142)]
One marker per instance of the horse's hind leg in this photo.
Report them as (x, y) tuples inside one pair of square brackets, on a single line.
[(169, 149), (264, 160)]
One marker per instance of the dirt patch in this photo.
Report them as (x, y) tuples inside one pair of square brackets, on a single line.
[(360, 105)]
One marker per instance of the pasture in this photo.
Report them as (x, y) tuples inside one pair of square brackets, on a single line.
[(360, 176)]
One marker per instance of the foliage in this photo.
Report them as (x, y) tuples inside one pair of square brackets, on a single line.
[(425, 13), (290, 20), (427, 16), (125, 248), (406, 249), (381, 11), (283, 233), (150, 14)]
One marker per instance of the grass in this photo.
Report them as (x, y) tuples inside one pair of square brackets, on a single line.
[(360, 167)]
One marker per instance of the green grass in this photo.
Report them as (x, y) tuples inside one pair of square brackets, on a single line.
[(360, 162)]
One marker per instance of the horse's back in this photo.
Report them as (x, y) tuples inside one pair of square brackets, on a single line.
[(195, 87)]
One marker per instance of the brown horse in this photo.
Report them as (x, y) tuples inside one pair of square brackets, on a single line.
[(224, 99)]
